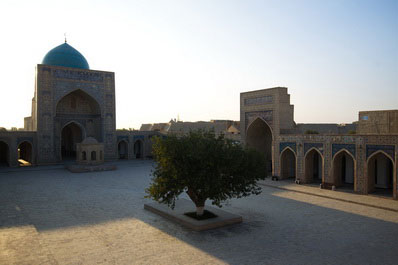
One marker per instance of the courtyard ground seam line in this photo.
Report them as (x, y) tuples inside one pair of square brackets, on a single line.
[(330, 197)]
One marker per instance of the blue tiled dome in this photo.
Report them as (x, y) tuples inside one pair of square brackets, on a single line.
[(67, 56)]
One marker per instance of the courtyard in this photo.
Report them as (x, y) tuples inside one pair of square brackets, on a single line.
[(51, 216)]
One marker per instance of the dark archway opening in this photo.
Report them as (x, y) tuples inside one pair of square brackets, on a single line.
[(138, 149), (380, 175), (288, 164), (313, 166), (259, 137), (4, 154), (79, 106), (123, 150), (343, 170), (70, 136), (25, 154), (93, 156)]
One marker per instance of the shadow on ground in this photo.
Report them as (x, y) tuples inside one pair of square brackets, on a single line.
[(275, 230)]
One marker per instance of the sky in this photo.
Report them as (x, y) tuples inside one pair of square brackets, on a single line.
[(192, 59)]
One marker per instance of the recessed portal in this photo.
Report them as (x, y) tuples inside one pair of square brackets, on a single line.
[(123, 150), (138, 149), (380, 174), (259, 137), (25, 154), (313, 166), (288, 164), (70, 136), (343, 170), (4, 153)]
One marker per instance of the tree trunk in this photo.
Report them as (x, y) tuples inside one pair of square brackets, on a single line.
[(200, 210), (199, 202)]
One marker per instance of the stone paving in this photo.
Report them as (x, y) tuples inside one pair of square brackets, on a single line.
[(52, 216), (342, 194)]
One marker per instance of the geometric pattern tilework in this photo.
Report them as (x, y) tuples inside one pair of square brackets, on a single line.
[(308, 146), (283, 145), (77, 75), (122, 137), (22, 139), (349, 147), (138, 137), (258, 101), (265, 115), (389, 149)]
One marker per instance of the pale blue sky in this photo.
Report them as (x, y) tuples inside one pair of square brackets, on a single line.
[(193, 58)]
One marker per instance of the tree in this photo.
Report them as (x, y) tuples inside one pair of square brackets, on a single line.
[(205, 167)]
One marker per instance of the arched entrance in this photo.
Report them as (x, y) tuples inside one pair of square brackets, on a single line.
[(259, 137), (380, 174), (71, 135), (123, 149), (25, 154), (82, 107), (288, 164), (138, 149), (344, 169), (4, 154), (313, 166)]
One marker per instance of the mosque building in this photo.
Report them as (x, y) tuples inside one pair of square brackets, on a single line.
[(72, 103)]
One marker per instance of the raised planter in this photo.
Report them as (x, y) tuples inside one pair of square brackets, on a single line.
[(182, 206), (89, 168)]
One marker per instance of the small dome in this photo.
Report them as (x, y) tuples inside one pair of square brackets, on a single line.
[(90, 140), (67, 56)]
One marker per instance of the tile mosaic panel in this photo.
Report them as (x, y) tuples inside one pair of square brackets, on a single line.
[(283, 145), (389, 149), (122, 137), (258, 100), (318, 146), (265, 115), (349, 147)]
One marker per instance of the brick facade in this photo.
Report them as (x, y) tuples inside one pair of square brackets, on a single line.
[(359, 147)]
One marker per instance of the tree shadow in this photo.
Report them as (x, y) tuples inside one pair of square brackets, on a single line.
[(275, 230)]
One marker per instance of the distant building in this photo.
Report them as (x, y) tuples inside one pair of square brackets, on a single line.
[(71, 102), (361, 156), (227, 127), (378, 122)]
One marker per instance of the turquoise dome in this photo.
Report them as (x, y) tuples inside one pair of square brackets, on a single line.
[(67, 56)]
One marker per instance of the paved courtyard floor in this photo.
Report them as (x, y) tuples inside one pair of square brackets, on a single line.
[(51, 216)]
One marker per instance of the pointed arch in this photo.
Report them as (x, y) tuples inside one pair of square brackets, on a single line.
[(313, 166), (77, 102), (344, 150), (344, 170), (71, 134), (25, 153), (262, 120), (313, 148), (81, 127), (288, 163), (123, 149), (139, 149), (382, 152), (380, 173), (259, 136)]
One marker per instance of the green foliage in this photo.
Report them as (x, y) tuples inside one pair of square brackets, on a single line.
[(205, 167), (311, 132), (352, 132)]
